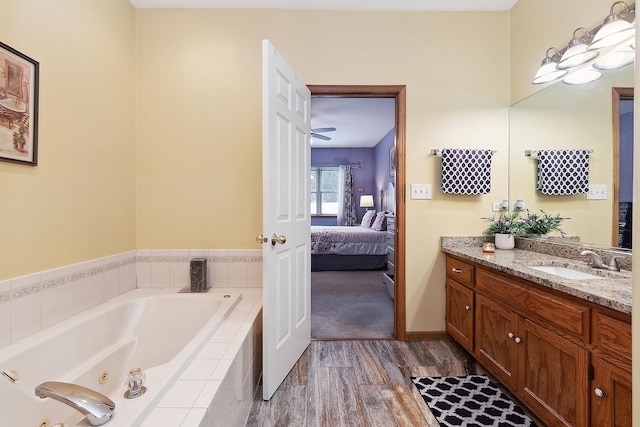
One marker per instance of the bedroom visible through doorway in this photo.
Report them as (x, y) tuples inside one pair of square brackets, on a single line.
[(355, 157)]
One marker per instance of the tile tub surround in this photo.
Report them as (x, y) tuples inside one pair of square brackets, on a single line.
[(232, 268), (613, 290), (36, 301), (218, 387)]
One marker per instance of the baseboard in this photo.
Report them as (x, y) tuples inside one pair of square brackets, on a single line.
[(437, 335)]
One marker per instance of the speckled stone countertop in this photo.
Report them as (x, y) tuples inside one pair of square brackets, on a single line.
[(612, 289)]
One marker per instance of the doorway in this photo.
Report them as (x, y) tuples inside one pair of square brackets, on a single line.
[(398, 93), (622, 108)]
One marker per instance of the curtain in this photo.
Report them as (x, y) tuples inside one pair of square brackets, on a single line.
[(346, 197)]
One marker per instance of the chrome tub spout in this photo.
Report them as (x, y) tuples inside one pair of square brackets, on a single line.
[(97, 407)]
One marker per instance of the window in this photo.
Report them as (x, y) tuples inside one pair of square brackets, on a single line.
[(324, 191)]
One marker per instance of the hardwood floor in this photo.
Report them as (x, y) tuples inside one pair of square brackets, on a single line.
[(359, 383)]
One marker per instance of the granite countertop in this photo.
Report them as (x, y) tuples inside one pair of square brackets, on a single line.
[(612, 289)]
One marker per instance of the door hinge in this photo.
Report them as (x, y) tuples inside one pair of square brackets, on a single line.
[(590, 372)]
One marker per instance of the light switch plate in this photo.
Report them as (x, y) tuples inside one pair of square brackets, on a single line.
[(421, 191), (597, 192)]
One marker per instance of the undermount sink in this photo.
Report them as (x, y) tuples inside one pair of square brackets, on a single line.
[(564, 272)]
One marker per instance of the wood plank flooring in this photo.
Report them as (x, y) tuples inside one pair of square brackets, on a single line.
[(359, 383)]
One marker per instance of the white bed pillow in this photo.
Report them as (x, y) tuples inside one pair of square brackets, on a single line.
[(380, 222), (368, 218)]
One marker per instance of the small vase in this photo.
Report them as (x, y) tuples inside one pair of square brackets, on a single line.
[(505, 241)]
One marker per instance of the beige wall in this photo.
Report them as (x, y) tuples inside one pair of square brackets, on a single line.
[(79, 202), (199, 128)]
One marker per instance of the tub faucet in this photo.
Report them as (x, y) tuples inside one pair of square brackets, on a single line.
[(97, 407), (596, 261)]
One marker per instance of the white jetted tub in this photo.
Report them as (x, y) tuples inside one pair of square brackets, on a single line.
[(160, 333)]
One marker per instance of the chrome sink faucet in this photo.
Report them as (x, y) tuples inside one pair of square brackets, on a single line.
[(596, 261), (97, 407)]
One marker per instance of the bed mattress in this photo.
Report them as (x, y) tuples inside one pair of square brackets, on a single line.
[(347, 241)]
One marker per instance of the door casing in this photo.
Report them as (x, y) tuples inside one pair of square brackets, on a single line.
[(399, 93)]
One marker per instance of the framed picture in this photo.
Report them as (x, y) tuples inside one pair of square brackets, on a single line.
[(18, 107), (392, 162)]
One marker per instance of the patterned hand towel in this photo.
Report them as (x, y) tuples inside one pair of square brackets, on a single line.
[(466, 171), (563, 172)]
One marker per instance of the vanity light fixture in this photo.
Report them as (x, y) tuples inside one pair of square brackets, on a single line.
[(617, 59), (584, 76), (577, 53), (549, 71), (615, 28)]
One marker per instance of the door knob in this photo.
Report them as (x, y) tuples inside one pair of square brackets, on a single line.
[(261, 239), (599, 392), (278, 239)]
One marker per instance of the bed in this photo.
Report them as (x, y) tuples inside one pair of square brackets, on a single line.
[(352, 248)]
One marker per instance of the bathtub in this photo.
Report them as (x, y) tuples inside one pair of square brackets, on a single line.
[(160, 333)]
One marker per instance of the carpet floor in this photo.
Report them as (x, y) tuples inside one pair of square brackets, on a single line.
[(472, 400), (350, 304)]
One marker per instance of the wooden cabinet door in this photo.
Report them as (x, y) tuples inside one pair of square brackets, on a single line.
[(610, 395), (460, 313), (553, 376), (495, 328)]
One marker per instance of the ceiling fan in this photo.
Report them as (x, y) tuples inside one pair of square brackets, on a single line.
[(317, 133)]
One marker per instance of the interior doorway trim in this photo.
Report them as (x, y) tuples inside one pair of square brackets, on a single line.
[(399, 93), (618, 94)]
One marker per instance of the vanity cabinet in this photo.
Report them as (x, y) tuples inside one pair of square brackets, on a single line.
[(460, 302), (550, 349), (610, 395), (611, 368)]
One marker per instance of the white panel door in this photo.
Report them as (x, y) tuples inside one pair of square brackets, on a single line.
[(286, 164)]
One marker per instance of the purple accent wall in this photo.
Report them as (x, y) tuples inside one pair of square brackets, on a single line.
[(382, 176), (362, 177), (626, 155)]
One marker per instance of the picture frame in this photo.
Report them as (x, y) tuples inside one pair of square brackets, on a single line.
[(19, 80), (392, 162)]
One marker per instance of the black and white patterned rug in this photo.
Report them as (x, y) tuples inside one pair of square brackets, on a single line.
[(472, 400)]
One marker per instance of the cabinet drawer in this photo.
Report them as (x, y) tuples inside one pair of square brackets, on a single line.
[(460, 271), (611, 335), (391, 254), (391, 239), (549, 309), (391, 269), (391, 224)]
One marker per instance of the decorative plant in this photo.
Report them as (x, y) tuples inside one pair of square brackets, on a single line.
[(543, 223), (505, 223)]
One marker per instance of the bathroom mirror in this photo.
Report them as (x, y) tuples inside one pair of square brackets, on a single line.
[(563, 116)]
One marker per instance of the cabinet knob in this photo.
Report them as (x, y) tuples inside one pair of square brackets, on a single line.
[(510, 335), (467, 307), (456, 270), (599, 392), (518, 340)]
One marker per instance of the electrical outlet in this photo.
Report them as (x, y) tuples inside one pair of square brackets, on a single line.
[(496, 206), (597, 192), (421, 191)]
